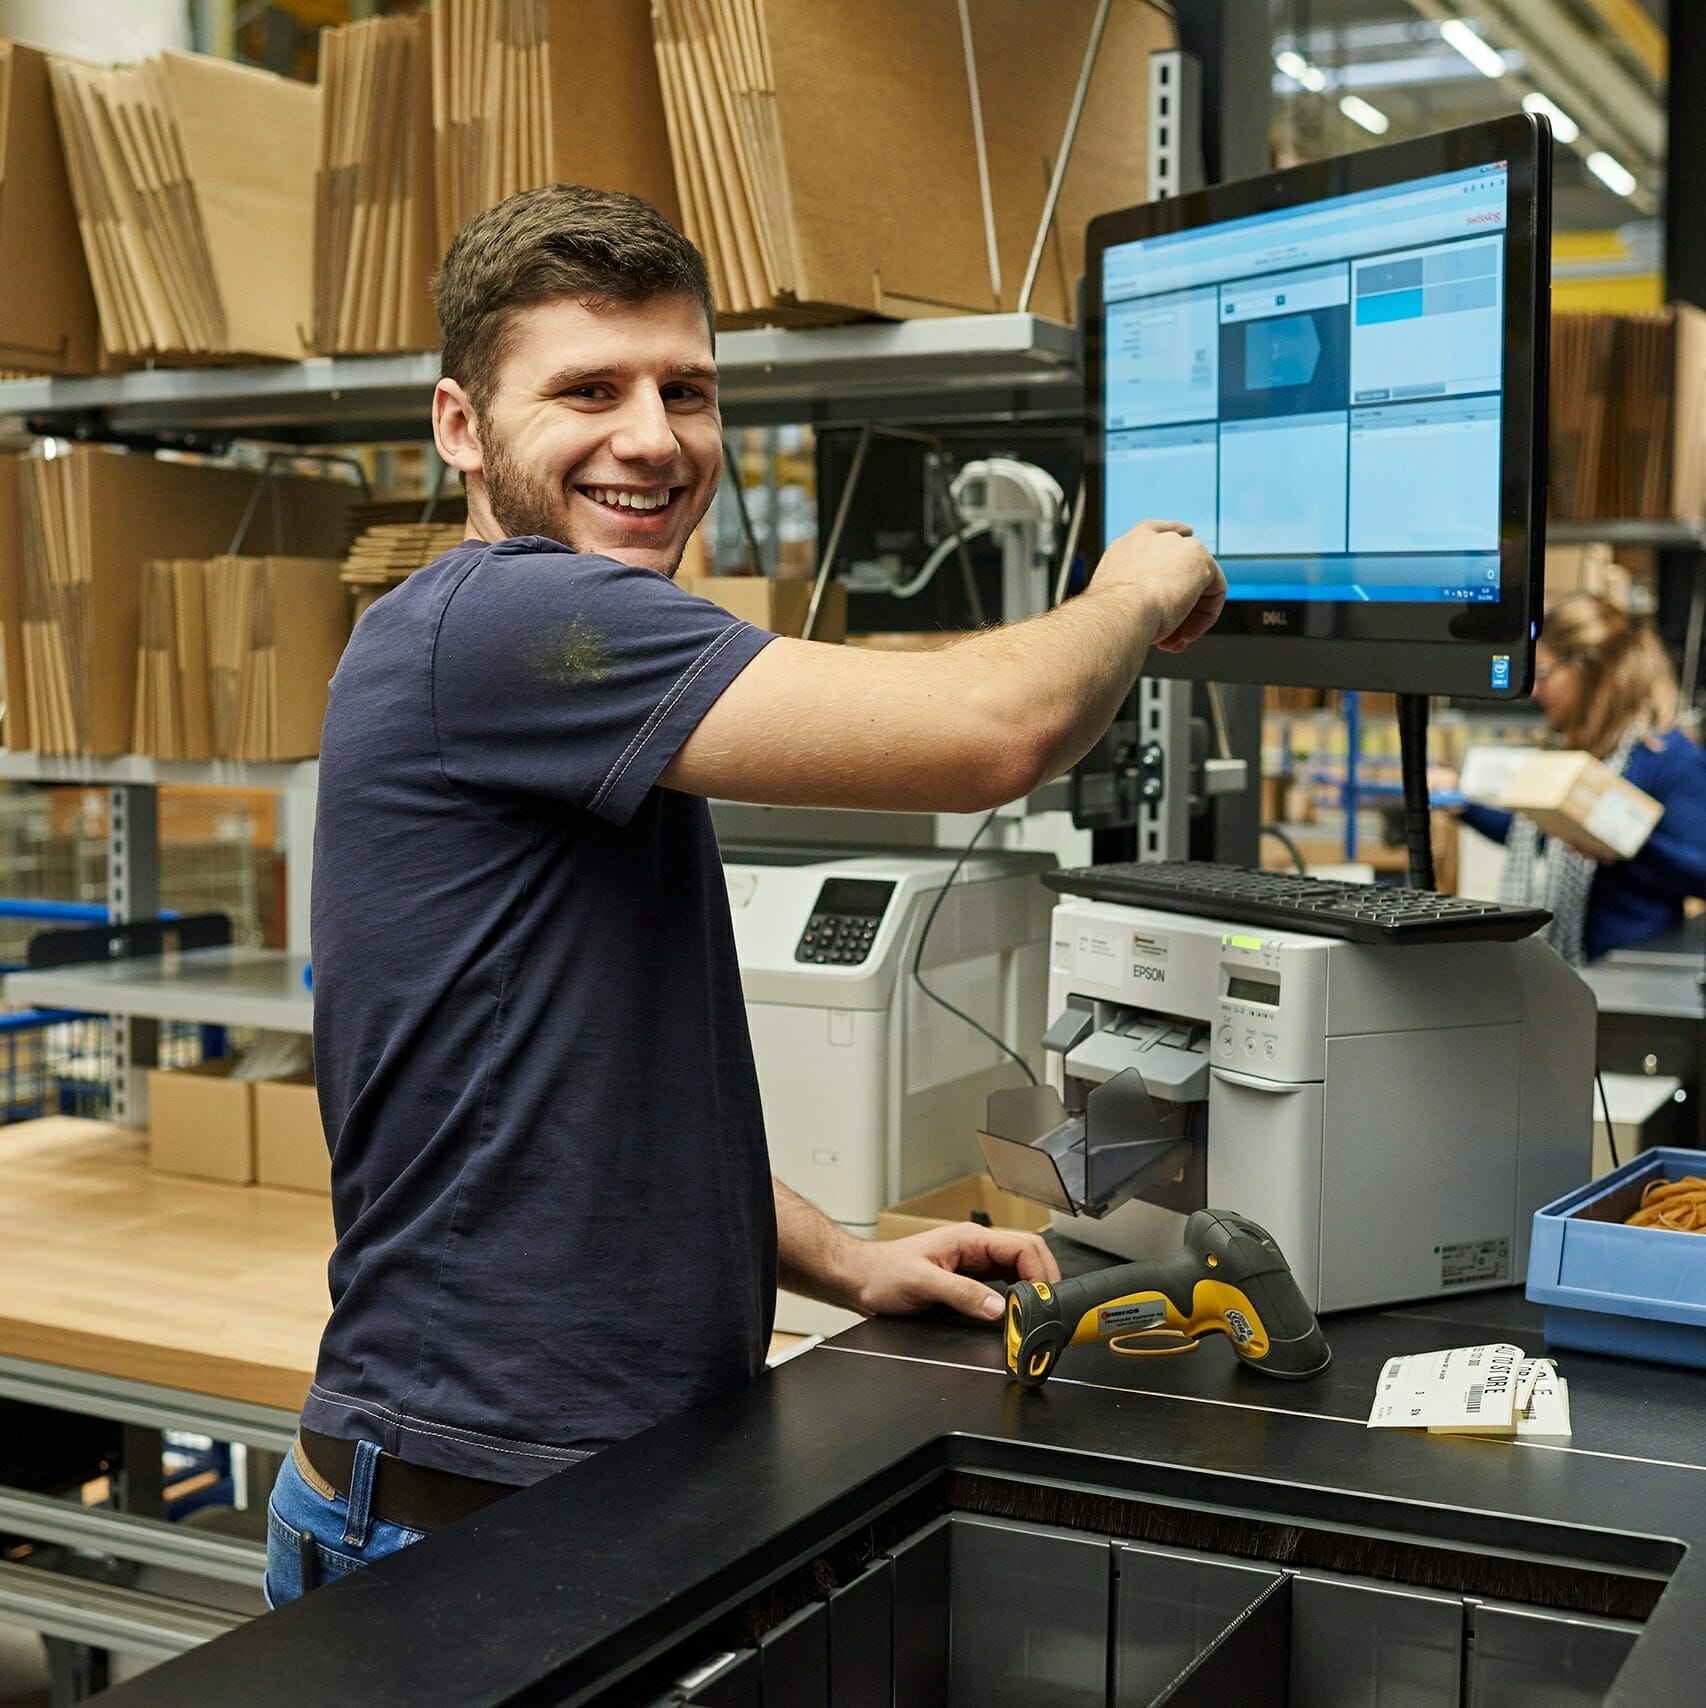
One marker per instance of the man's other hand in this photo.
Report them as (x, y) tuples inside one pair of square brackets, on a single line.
[(1173, 572), (898, 1277)]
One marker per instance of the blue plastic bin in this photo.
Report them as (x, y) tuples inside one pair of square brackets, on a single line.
[(1628, 1292)]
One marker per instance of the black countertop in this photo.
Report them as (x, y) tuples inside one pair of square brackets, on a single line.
[(554, 1593)]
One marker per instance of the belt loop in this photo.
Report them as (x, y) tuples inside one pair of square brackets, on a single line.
[(361, 1494)]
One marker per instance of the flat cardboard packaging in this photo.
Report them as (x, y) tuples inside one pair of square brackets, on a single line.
[(1688, 423), (201, 1121), (290, 1143), (779, 606), (1572, 795), (955, 1202), (47, 304), (14, 695)]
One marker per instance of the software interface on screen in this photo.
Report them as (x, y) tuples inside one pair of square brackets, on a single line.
[(1317, 391)]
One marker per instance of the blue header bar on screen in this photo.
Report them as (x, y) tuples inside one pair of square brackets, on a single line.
[(1431, 210)]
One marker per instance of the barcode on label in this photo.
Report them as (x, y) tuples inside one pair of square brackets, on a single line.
[(1473, 1404)]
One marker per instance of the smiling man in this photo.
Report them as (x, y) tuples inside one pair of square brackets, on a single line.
[(556, 1222)]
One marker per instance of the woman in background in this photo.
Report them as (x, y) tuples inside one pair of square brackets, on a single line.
[(1607, 688)]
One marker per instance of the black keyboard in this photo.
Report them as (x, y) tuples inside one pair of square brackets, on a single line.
[(1327, 907)]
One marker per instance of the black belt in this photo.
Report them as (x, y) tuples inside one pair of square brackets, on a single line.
[(414, 1496)]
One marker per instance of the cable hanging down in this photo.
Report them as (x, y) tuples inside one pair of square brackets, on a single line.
[(924, 937)]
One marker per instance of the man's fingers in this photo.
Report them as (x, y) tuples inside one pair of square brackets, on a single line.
[(1010, 1249), (970, 1298)]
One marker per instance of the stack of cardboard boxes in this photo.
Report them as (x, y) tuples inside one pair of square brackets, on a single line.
[(207, 1122)]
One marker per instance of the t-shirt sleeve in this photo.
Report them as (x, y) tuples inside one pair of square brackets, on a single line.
[(574, 678)]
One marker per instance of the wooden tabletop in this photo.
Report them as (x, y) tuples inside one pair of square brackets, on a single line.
[(107, 1266), (110, 1267)]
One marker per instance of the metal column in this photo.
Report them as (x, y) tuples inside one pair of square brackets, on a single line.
[(133, 892)]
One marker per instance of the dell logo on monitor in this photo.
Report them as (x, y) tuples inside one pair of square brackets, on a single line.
[(1274, 619)]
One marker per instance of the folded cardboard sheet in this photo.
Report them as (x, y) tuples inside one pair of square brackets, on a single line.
[(531, 92), (89, 521), (276, 627), (375, 233), (832, 160), (47, 305), (385, 554), (193, 180), (1628, 415), (172, 709)]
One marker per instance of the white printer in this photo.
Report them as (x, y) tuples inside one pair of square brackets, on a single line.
[(871, 1091), (1392, 1114)]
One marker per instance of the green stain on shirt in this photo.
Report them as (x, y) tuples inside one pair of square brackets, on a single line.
[(575, 654)]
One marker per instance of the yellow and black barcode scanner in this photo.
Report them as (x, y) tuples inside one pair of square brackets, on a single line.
[(1230, 1278)]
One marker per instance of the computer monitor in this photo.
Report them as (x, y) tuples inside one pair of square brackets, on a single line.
[(1337, 375)]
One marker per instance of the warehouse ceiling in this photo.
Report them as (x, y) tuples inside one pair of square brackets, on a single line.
[(1602, 63)]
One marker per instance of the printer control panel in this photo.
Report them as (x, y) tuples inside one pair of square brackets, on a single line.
[(844, 921)]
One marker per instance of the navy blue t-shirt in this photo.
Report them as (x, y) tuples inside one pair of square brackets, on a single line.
[(549, 1178)]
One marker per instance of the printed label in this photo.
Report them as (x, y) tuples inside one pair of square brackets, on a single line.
[(1126, 1319), (1149, 956), (1239, 1324), (1098, 956), (1467, 1387), (1468, 1261)]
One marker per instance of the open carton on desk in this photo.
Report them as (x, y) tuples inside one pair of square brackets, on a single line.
[(956, 1202)]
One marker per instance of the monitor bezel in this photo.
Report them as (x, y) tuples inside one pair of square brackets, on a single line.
[(1425, 648)]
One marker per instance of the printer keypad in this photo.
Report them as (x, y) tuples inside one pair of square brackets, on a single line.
[(841, 939)]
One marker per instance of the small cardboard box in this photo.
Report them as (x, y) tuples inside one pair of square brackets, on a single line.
[(201, 1121), (777, 605), (1573, 796), (955, 1202), (290, 1143)]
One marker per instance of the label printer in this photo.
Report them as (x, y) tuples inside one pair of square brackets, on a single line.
[(1392, 1114)]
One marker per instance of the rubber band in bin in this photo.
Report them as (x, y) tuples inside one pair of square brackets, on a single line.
[(1626, 1292)]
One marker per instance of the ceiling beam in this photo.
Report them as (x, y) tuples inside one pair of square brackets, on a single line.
[(1562, 62), (1629, 21)]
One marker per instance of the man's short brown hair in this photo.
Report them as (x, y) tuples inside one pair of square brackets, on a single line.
[(562, 240)]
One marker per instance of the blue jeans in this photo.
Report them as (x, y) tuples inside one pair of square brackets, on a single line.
[(324, 1535)]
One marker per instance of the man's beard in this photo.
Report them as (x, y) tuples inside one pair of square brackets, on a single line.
[(520, 504)]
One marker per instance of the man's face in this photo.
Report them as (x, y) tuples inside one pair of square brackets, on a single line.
[(603, 431)]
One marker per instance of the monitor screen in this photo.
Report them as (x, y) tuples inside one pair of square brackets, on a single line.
[(1335, 374)]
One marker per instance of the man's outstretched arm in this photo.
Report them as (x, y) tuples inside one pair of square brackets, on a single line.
[(898, 1277)]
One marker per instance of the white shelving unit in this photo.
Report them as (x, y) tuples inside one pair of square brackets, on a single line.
[(963, 365), (230, 987)]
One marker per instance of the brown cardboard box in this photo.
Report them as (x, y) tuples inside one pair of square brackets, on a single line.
[(201, 1121), (1573, 796), (955, 1203), (290, 1143), (779, 606)]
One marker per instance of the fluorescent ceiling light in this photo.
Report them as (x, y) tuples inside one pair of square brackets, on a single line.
[(1358, 111), (1612, 174), (1296, 67), (1486, 60), (1564, 127)]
